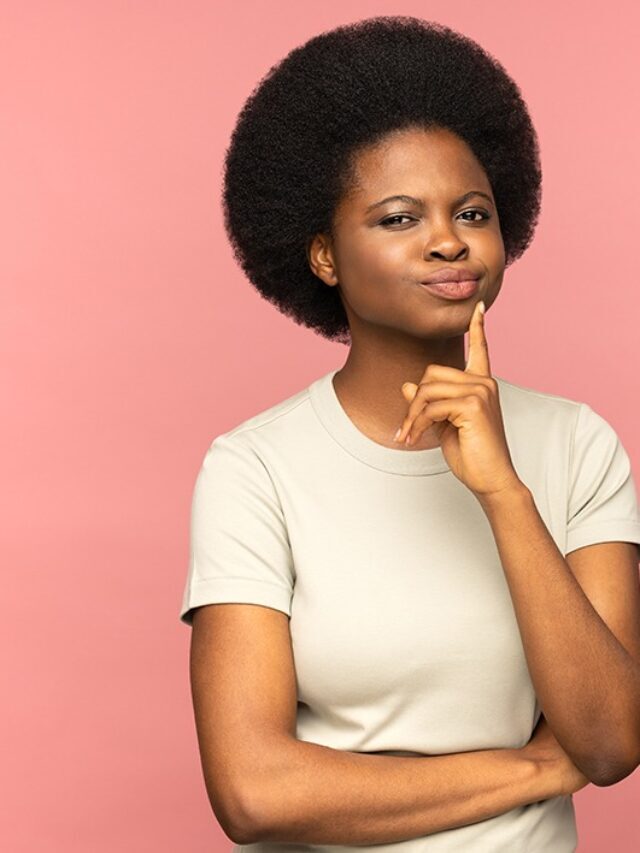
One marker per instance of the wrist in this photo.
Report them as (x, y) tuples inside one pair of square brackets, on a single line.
[(548, 772), (504, 499)]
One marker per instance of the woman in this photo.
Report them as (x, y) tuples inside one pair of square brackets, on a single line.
[(416, 612)]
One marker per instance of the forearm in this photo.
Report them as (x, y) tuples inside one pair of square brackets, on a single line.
[(587, 684), (316, 795)]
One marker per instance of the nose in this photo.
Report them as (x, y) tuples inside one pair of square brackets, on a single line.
[(444, 243)]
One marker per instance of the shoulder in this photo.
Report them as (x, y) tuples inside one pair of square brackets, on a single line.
[(277, 414), (268, 426), (537, 413), (258, 446), (527, 399), (532, 405), (561, 432)]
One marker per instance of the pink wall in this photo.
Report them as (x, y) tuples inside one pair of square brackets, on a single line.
[(130, 338)]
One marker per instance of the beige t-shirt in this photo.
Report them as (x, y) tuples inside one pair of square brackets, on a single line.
[(404, 635)]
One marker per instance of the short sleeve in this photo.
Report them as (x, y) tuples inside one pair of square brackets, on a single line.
[(602, 502), (239, 546)]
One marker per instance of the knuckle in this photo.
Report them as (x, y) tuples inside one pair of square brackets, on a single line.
[(431, 371)]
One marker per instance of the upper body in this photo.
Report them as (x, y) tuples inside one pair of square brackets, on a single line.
[(402, 627)]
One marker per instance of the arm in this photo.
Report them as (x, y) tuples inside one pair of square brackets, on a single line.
[(265, 784), (315, 795), (587, 682)]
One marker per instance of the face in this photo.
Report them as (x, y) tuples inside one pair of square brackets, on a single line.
[(381, 249)]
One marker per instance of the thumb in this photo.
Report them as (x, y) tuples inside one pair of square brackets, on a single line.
[(409, 391)]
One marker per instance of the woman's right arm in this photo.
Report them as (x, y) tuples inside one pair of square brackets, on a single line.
[(266, 785)]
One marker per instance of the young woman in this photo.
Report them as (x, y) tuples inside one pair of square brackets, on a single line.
[(446, 642)]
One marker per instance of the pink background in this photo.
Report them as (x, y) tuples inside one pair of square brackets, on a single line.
[(130, 339)]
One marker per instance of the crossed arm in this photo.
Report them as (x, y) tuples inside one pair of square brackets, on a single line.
[(579, 619)]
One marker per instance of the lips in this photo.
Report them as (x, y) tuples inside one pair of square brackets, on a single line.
[(451, 274), (452, 289)]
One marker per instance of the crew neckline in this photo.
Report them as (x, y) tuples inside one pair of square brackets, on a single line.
[(337, 422)]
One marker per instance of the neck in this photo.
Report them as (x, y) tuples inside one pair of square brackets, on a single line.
[(369, 384)]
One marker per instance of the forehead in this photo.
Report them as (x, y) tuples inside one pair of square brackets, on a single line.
[(418, 162)]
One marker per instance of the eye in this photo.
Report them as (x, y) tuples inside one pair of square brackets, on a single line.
[(389, 220), (395, 216), (483, 213)]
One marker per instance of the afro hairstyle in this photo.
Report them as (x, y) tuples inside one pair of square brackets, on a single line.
[(291, 154)]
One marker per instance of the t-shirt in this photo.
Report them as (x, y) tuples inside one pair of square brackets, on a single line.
[(404, 635)]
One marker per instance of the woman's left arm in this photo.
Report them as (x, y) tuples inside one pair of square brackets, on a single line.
[(579, 619)]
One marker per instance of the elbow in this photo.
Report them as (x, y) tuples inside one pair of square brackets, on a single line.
[(253, 799), (611, 775), (610, 772), (234, 810), (604, 768), (241, 834), (241, 824), (619, 766), (255, 811)]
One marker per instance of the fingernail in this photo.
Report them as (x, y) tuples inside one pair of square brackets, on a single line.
[(481, 304), (399, 430)]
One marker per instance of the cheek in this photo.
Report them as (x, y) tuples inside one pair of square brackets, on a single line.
[(488, 250), (371, 290), (492, 247), (379, 260), (495, 281), (373, 275)]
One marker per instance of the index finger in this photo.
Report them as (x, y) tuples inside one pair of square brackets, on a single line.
[(478, 358)]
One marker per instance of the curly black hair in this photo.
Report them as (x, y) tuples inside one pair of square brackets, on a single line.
[(291, 154)]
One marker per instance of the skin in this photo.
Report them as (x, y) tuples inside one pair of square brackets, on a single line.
[(397, 327)]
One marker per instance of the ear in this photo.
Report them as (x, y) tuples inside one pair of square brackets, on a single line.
[(321, 260)]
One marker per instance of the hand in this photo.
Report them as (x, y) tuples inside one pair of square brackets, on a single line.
[(465, 406), (544, 748)]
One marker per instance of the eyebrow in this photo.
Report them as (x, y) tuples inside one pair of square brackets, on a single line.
[(420, 203)]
